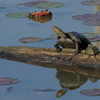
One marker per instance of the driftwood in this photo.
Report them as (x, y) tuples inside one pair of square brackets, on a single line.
[(47, 57)]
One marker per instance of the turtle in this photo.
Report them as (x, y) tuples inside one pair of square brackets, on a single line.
[(80, 41), (92, 50)]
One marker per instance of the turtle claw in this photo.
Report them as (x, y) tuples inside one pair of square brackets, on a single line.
[(58, 50), (70, 59), (96, 58)]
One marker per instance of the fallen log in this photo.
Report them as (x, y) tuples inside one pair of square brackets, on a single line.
[(47, 57)]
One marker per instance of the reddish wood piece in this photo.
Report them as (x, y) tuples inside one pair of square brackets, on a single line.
[(41, 13)]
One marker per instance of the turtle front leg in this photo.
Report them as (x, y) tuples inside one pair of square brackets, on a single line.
[(77, 51), (56, 45)]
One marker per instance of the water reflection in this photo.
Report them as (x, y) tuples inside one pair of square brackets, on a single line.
[(71, 81), (41, 19)]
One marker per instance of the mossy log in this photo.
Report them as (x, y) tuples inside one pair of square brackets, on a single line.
[(47, 57)]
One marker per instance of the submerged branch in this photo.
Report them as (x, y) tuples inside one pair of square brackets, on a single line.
[(47, 57)]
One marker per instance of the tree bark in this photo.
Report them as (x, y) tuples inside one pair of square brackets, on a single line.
[(47, 57)]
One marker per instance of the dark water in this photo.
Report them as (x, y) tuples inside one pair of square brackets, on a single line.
[(36, 77)]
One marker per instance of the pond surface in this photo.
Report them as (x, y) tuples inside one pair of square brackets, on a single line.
[(37, 77)]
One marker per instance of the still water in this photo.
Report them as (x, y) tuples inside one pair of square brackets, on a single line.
[(37, 77)]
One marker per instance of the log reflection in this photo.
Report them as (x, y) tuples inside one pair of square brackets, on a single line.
[(70, 81)]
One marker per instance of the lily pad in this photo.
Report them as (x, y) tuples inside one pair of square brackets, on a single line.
[(54, 36), (18, 15), (90, 35), (91, 92), (32, 3), (98, 13), (92, 22), (95, 39), (48, 5), (92, 2), (30, 39), (7, 80), (86, 17), (2, 7)]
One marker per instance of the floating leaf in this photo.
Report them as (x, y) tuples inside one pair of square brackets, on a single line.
[(7, 80), (48, 38), (30, 39), (54, 36), (18, 15), (2, 7), (92, 2), (86, 17), (98, 13), (93, 22), (95, 39), (48, 5), (90, 35), (32, 3), (91, 92)]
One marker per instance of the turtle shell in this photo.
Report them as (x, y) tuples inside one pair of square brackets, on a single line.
[(73, 36)]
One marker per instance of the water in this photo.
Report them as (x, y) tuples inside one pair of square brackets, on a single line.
[(37, 77)]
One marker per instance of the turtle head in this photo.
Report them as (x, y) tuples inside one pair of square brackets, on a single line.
[(58, 31)]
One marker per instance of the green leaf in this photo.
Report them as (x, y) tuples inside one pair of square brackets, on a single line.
[(32, 3), (91, 2), (54, 36), (91, 92), (30, 39), (18, 15), (48, 5), (92, 22), (90, 35), (8, 80)]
